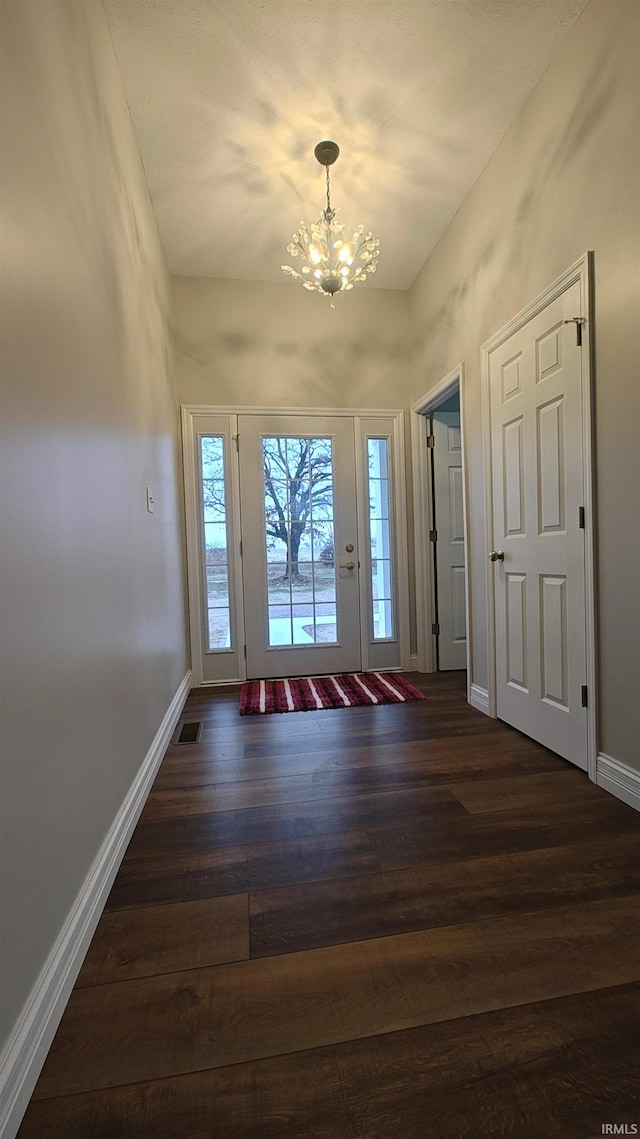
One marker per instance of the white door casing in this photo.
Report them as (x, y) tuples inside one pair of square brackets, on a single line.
[(449, 543), (537, 418), (426, 612), (218, 627)]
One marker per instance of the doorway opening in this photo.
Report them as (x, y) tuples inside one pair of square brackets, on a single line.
[(447, 534), (442, 594)]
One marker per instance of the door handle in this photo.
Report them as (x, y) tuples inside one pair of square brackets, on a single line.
[(496, 555), (347, 565)]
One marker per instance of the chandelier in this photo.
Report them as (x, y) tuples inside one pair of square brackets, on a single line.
[(333, 263)]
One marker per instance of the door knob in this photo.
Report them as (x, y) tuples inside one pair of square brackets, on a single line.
[(347, 565), (496, 555)]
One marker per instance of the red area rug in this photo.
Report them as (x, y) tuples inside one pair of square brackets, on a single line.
[(311, 694)]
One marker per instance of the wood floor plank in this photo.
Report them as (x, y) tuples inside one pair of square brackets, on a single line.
[(270, 729), (206, 871), (393, 715), (163, 939), (227, 796), (531, 791), (444, 939), (167, 1025), (549, 1070), (449, 759), (167, 877), (329, 784), (401, 844), (290, 820), (390, 734), (478, 1076), (298, 917)]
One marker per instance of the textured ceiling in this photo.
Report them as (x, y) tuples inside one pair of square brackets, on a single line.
[(229, 97)]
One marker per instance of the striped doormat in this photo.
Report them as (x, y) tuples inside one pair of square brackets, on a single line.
[(312, 693)]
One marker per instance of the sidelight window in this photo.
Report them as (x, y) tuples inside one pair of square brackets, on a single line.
[(216, 542), (380, 539)]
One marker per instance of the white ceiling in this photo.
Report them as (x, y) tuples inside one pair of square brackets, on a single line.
[(229, 98)]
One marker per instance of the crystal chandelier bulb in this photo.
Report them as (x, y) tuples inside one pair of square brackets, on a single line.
[(333, 263)]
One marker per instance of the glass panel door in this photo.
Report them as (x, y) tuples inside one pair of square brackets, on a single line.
[(298, 503), (299, 540)]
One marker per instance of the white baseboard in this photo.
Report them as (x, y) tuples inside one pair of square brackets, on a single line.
[(619, 779), (479, 698), (27, 1047)]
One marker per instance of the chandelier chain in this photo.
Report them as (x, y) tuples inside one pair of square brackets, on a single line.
[(328, 192)]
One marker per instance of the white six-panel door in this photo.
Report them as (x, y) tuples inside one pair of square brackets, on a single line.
[(538, 547)]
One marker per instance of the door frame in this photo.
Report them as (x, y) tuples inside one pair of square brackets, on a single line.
[(189, 412), (423, 520), (581, 272)]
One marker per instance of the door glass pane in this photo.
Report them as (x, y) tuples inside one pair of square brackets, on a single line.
[(216, 545), (380, 539), (298, 520)]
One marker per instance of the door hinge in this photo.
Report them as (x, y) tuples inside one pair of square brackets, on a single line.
[(581, 517), (583, 696), (435, 628), (240, 544), (236, 439), (431, 440), (433, 535), (578, 321), (245, 652)]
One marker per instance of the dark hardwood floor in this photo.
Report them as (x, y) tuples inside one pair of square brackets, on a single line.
[(372, 923)]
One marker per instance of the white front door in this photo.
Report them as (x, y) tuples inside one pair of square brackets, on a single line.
[(537, 424), (299, 545), (449, 542)]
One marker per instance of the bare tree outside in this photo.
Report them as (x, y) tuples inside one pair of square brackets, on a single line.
[(298, 484), (298, 496), (298, 526)]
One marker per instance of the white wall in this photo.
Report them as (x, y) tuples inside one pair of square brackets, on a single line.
[(93, 644), (251, 343), (259, 344), (564, 180)]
